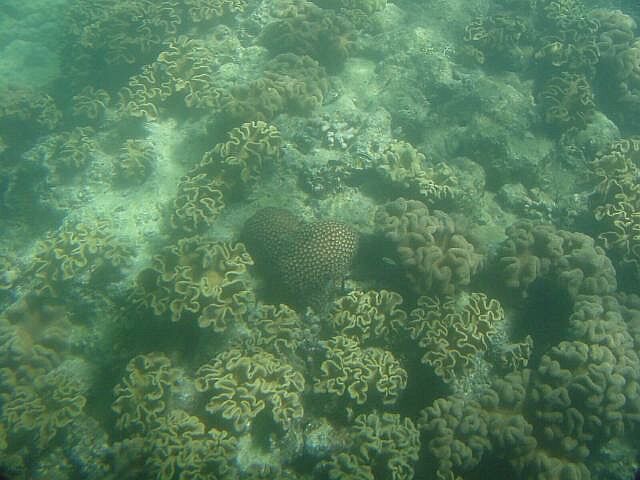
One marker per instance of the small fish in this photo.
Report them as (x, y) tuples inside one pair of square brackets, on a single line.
[(389, 261)]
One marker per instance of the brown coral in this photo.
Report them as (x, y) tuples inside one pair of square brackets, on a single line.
[(198, 279), (435, 256), (306, 259)]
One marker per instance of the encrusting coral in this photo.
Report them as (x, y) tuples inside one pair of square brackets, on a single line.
[(200, 279)]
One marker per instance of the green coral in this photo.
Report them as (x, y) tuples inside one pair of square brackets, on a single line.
[(567, 101), (40, 403), (383, 444), (91, 103), (616, 199), (198, 203), (370, 317), (76, 254), (304, 28), (455, 332), (534, 250), (143, 393), (135, 162), (364, 375), (495, 38), (207, 10), (436, 257), (290, 83), (242, 384), (200, 279)]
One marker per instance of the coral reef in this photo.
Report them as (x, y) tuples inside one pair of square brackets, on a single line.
[(304, 28), (143, 394), (40, 403), (198, 203), (91, 103), (408, 172), (241, 384), (435, 256), (616, 198), (371, 317), (571, 259), (362, 375), (200, 279), (276, 329), (240, 161), (567, 101), (306, 259), (455, 332), (135, 162), (383, 444), (495, 38), (549, 420), (66, 153), (290, 83), (76, 254), (207, 10)]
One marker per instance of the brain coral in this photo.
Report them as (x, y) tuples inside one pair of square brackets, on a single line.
[(435, 256), (307, 260), (241, 384), (198, 278)]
